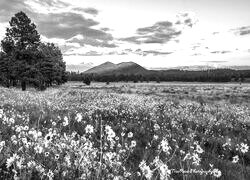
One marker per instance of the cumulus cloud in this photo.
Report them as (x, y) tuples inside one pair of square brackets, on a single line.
[(89, 10), (156, 53), (60, 21), (90, 53), (220, 52), (242, 30), (163, 31), (10, 7), (66, 25)]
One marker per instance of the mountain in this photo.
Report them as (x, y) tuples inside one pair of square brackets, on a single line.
[(102, 68), (79, 67), (133, 68), (121, 68)]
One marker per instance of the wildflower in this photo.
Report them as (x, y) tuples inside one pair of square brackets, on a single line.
[(89, 129), (53, 123), (127, 174), (18, 129), (199, 149), (11, 160), (165, 147), (38, 149), (133, 144), (46, 154), (40, 169), (64, 173), (196, 159), (164, 172), (182, 152), (66, 121), (156, 137), (1, 113), (147, 172), (39, 134), (130, 135), (235, 159), (31, 164), (50, 175), (156, 127), (217, 173), (111, 134), (244, 148), (19, 163), (78, 117), (108, 128), (2, 144), (57, 156), (117, 178), (67, 160), (48, 137)]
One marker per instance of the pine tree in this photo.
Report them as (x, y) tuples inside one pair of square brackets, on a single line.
[(25, 59), (52, 66), (20, 45)]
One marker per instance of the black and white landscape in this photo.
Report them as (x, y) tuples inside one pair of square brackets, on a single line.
[(124, 89)]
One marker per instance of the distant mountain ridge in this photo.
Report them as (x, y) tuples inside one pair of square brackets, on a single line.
[(108, 68), (131, 67), (201, 68)]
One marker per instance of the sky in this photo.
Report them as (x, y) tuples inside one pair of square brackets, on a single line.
[(152, 33)]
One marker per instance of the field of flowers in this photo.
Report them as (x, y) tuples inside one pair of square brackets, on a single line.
[(109, 132)]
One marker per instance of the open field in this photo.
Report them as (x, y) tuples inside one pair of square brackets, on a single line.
[(121, 131), (208, 92)]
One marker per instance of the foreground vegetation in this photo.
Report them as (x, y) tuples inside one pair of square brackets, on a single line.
[(116, 132)]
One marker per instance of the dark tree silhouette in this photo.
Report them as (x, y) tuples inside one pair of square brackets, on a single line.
[(20, 46), (25, 60)]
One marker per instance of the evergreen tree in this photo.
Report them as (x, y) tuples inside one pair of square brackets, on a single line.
[(25, 59), (20, 45)]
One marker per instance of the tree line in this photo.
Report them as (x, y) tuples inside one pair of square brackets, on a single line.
[(25, 60), (214, 75)]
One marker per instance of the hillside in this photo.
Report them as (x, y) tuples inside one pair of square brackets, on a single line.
[(108, 68), (102, 68)]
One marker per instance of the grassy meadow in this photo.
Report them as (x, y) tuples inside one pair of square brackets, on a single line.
[(166, 131)]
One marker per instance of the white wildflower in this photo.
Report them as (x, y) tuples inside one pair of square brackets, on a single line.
[(235, 159), (130, 135), (89, 129), (217, 173)]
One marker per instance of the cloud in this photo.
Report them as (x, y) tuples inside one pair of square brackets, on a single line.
[(242, 30), (59, 20), (105, 41), (11, 7), (54, 3), (66, 25), (220, 52), (89, 10), (155, 53), (90, 53), (161, 32), (214, 61)]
